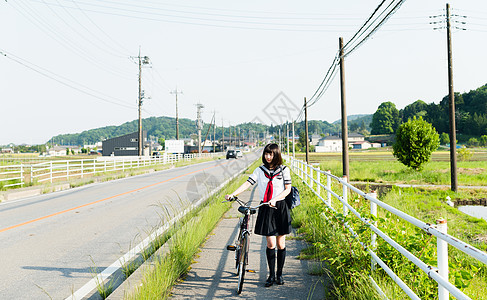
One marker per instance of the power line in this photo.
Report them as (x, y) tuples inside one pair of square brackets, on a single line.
[(370, 26), (62, 80), (65, 40)]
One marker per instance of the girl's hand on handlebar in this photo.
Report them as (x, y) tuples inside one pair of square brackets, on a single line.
[(272, 203), (229, 197)]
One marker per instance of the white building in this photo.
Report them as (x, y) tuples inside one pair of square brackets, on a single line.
[(61, 150), (315, 139), (329, 144)]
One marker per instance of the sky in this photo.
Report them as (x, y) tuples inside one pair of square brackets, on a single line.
[(67, 66)]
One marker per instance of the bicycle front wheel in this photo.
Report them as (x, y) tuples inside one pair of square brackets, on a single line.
[(242, 263)]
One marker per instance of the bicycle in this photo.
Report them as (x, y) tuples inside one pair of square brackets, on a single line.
[(241, 246)]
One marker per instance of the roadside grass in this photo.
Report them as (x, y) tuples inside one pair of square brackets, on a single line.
[(336, 247), (184, 244), (428, 205), (341, 258)]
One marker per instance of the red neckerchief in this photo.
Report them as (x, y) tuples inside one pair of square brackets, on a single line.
[(270, 188)]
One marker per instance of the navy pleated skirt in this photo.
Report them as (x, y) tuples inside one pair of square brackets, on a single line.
[(273, 222)]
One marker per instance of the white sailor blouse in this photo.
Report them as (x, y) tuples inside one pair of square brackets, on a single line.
[(271, 182)]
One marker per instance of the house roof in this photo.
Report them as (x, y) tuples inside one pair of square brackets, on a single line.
[(331, 138), (355, 134)]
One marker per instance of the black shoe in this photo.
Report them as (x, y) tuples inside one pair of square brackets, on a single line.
[(280, 280), (270, 281)]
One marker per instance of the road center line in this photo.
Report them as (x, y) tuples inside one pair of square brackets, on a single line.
[(104, 199)]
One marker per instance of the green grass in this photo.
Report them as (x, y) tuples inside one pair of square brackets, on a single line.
[(184, 244), (341, 258), (382, 167), (335, 247), (429, 205)]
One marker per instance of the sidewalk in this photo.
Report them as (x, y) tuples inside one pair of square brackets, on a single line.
[(212, 276)]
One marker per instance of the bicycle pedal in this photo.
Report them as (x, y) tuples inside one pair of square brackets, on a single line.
[(250, 271), (231, 247)]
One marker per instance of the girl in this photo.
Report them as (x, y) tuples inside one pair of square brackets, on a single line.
[(274, 181)]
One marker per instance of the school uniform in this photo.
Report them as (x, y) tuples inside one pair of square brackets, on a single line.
[(271, 221)]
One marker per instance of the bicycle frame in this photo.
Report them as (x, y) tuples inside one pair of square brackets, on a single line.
[(241, 247)]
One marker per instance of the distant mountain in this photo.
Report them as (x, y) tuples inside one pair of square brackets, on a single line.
[(165, 127), (156, 127), (354, 121)]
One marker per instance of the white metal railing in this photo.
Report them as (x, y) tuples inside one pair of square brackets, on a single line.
[(439, 273), (11, 175), (49, 171)]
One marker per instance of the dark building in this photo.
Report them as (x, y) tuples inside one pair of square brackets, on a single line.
[(125, 145)]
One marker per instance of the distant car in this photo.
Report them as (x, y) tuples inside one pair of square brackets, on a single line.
[(239, 154), (156, 154), (231, 154)]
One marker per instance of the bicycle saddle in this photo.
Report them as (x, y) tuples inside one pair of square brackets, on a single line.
[(243, 210)]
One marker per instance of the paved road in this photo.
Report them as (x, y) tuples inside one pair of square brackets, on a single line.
[(50, 243), (213, 274)]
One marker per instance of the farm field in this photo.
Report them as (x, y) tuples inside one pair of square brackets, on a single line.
[(382, 167)]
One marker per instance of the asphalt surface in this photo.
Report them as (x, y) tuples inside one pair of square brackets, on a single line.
[(213, 275), (52, 244)]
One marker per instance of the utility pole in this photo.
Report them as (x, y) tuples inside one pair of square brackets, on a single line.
[(223, 137), (294, 153), (214, 132), (142, 61), (287, 138), (344, 112), (199, 125), (280, 139), (176, 92), (306, 129), (453, 136)]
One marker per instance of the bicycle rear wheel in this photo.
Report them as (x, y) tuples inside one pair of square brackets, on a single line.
[(242, 263)]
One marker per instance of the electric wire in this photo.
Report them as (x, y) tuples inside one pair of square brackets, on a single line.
[(66, 41), (101, 29), (149, 15), (65, 81), (355, 42)]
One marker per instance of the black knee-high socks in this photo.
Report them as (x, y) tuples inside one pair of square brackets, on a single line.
[(271, 261), (281, 258)]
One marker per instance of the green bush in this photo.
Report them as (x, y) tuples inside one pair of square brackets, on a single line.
[(473, 142), (415, 142), (483, 140), (464, 154), (444, 138)]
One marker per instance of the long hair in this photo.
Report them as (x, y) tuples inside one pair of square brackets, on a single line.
[(276, 159)]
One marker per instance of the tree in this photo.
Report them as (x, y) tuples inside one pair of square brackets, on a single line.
[(386, 119), (483, 140), (416, 109), (415, 142), (444, 138), (473, 142)]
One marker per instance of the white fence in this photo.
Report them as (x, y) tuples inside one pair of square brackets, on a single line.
[(312, 178), (18, 175)]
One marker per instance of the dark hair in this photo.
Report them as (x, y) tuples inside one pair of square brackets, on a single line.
[(276, 160)]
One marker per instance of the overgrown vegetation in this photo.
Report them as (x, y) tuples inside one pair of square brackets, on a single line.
[(184, 244), (345, 260)]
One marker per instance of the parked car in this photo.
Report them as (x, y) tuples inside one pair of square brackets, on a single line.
[(239, 154), (231, 154), (156, 154)]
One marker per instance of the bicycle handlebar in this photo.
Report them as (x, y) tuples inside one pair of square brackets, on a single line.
[(235, 198)]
